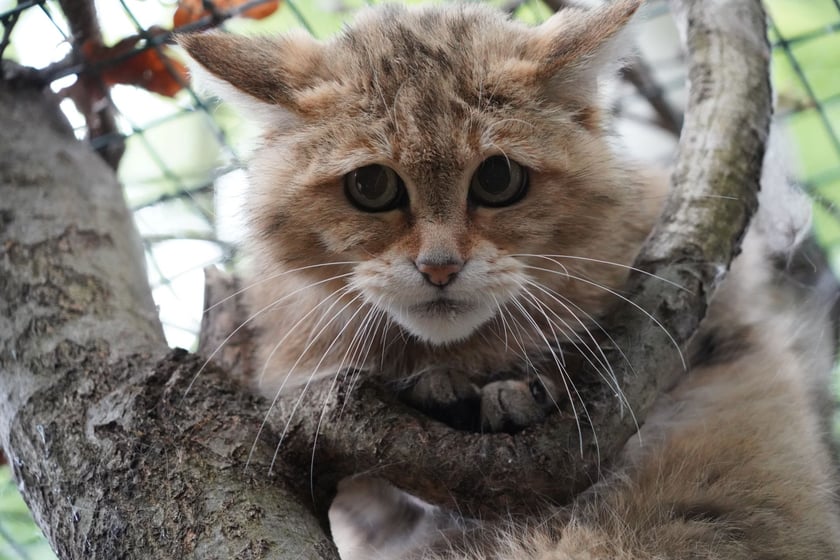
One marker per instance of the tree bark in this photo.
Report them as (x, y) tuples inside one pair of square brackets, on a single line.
[(114, 455), (122, 452)]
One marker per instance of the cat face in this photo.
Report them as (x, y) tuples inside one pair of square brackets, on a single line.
[(454, 160)]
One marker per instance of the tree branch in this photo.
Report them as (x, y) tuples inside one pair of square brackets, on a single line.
[(640, 74), (116, 456), (100, 117)]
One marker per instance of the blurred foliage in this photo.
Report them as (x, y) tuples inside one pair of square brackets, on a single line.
[(806, 76), (20, 538)]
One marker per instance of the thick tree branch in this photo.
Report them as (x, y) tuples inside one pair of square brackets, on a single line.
[(115, 456)]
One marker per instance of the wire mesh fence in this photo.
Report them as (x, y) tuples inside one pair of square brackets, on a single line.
[(179, 155)]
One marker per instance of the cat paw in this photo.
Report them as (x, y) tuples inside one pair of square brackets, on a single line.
[(506, 405), (448, 397), (514, 404)]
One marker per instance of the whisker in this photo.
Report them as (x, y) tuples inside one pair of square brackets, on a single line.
[(610, 379), (312, 375), (501, 316), (362, 342), (624, 298), (292, 330), (254, 316), (583, 344), (567, 382), (358, 335), (602, 360), (554, 294), (274, 277), (520, 341), (600, 261), (305, 386), (371, 338)]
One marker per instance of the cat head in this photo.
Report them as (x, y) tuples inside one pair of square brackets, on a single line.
[(454, 158)]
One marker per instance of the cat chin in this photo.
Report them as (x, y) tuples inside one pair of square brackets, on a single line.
[(437, 326)]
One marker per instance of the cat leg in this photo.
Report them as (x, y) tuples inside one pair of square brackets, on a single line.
[(371, 519)]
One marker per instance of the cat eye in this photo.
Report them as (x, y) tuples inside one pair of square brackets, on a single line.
[(498, 181), (374, 188)]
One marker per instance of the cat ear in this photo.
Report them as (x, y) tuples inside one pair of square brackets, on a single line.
[(259, 74), (572, 48)]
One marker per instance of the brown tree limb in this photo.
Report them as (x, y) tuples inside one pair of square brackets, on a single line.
[(115, 456), (100, 117), (640, 74)]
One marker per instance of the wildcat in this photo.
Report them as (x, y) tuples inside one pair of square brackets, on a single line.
[(436, 202)]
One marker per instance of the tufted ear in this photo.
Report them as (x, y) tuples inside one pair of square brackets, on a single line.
[(574, 39), (567, 53), (260, 74)]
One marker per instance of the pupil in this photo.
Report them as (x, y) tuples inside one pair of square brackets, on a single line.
[(372, 181), (495, 175)]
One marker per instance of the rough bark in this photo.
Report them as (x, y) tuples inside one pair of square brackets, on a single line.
[(115, 457), (118, 459)]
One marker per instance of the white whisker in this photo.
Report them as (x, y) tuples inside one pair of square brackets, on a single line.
[(567, 382), (254, 316), (554, 294), (610, 379), (359, 335), (338, 294), (274, 277), (542, 307), (602, 359), (314, 370), (553, 258), (501, 316), (624, 298), (305, 386)]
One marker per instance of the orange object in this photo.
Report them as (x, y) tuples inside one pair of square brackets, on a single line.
[(193, 10), (150, 69)]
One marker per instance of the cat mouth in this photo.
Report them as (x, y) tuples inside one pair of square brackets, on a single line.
[(442, 320), (442, 307)]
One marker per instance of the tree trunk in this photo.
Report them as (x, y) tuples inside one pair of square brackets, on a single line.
[(126, 451), (114, 455)]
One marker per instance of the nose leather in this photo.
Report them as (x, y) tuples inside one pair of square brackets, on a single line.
[(439, 274)]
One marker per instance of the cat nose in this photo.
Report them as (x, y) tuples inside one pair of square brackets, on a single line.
[(439, 273)]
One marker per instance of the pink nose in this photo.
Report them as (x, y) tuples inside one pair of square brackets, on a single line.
[(439, 274)]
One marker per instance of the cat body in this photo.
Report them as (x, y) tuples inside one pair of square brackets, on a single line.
[(436, 203)]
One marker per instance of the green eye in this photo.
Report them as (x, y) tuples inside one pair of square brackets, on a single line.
[(498, 181), (374, 188)]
